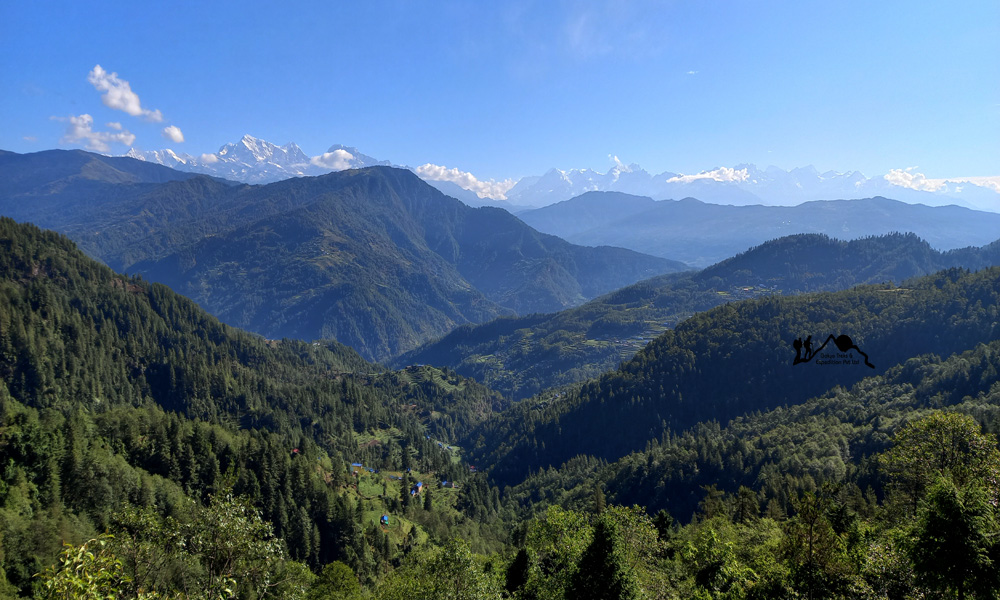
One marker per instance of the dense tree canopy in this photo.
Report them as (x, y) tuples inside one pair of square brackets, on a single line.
[(178, 457)]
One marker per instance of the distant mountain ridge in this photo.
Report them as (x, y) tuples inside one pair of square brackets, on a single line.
[(252, 160), (374, 258), (743, 185), (701, 234)]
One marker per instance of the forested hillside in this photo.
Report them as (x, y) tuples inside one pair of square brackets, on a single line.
[(926, 529), (374, 258), (830, 438), (737, 359), (521, 356), (119, 395), (179, 457)]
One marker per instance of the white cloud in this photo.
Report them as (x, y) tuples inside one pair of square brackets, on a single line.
[(80, 131), (173, 133), (114, 125), (118, 94), (724, 174), (494, 189), (209, 159), (30, 138), (338, 160), (692, 72), (915, 181)]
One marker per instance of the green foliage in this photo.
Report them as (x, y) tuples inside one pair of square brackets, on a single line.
[(943, 444), (223, 550), (236, 548), (217, 460), (603, 572), (448, 573), (600, 503), (885, 570), (148, 547), (777, 454), (554, 544), (727, 560), (637, 547), (954, 545), (336, 582), (839, 541), (524, 356), (86, 572), (736, 359), (374, 258), (814, 550), (117, 393)]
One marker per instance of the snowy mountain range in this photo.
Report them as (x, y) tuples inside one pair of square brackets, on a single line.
[(252, 160), (747, 185)]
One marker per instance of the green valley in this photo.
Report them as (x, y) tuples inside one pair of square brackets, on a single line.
[(147, 434), (522, 356)]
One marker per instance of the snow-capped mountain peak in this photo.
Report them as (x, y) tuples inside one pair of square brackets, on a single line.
[(748, 184), (253, 151), (253, 160), (166, 157)]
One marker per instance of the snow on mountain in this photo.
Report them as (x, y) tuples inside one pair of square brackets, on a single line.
[(252, 160), (556, 186), (747, 184), (167, 158), (252, 151)]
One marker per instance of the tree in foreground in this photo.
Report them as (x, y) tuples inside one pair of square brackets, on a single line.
[(603, 572), (86, 572), (814, 550), (943, 444), (226, 550), (336, 582), (449, 573), (553, 544), (954, 537)]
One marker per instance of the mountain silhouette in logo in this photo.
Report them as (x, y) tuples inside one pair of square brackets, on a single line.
[(843, 343)]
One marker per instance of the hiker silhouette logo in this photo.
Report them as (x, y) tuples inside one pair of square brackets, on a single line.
[(845, 354)]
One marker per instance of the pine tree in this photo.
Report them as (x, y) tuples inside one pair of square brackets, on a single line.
[(603, 573), (599, 501), (953, 540)]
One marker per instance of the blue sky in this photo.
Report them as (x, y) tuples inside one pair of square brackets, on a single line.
[(507, 89)]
